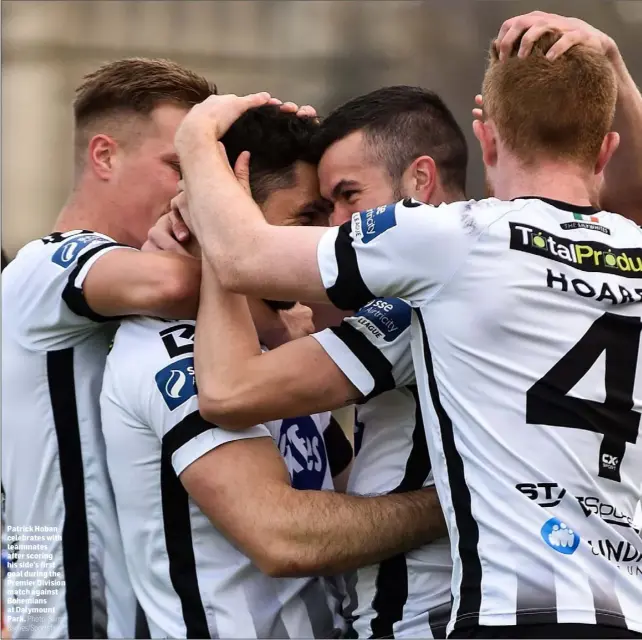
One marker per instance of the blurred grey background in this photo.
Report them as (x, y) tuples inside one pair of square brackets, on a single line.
[(309, 51)]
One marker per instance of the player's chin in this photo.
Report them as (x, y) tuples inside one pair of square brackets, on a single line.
[(279, 305)]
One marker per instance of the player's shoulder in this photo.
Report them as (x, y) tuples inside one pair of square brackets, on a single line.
[(385, 319), (159, 354), (153, 341), (53, 254)]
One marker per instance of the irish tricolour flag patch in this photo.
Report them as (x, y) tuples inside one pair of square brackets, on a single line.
[(585, 218)]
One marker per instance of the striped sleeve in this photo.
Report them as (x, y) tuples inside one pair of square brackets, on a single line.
[(406, 250), (372, 348)]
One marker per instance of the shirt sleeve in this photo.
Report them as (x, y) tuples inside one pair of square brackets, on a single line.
[(372, 348), (47, 288), (405, 250), (175, 418)]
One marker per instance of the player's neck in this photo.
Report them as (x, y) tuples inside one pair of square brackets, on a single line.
[(556, 181), (92, 214)]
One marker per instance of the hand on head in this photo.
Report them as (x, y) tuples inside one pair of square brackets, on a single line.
[(532, 26)]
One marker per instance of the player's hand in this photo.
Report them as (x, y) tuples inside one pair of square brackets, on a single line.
[(297, 321), (306, 111), (170, 233), (179, 214), (535, 24), (478, 111), (214, 116)]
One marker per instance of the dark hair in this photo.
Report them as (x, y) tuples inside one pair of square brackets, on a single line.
[(276, 141), (402, 123), (138, 85)]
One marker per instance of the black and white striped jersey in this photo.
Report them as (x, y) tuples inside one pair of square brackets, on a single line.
[(407, 596), (189, 579), (525, 340), (54, 471)]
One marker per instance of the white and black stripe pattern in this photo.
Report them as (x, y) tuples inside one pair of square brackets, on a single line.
[(467, 600), (178, 528), (75, 542)]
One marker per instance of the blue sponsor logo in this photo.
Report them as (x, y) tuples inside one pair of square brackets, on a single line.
[(68, 251), (372, 223), (559, 536), (385, 318), (176, 382), (301, 445)]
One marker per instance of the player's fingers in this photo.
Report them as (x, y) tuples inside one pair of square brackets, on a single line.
[(253, 100), (307, 111), (567, 41), (507, 25), (506, 44), (179, 229), (242, 170), (478, 114), (289, 107), (479, 100), (530, 37)]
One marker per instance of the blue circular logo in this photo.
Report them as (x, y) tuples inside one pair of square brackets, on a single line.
[(303, 449), (559, 536)]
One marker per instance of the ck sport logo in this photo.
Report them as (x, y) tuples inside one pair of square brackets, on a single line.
[(585, 255)]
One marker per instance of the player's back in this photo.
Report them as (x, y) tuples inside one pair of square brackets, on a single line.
[(190, 580), (60, 514), (530, 354)]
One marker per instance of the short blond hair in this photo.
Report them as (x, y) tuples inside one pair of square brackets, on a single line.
[(543, 108), (133, 87)]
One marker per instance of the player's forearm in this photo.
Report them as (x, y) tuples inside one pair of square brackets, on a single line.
[(227, 222), (622, 191), (249, 255), (324, 533), (225, 341)]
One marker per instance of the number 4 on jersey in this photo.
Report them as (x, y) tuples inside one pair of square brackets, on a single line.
[(548, 402)]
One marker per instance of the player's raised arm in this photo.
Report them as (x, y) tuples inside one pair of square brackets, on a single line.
[(239, 385), (378, 255), (234, 236)]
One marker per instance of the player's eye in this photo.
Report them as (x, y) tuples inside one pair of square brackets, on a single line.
[(177, 167), (349, 195)]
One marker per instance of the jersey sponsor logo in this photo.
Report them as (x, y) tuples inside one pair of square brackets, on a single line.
[(68, 251), (586, 256), (178, 339), (385, 318), (367, 225), (559, 536), (302, 447), (176, 382), (546, 494), (604, 291), (592, 505), (621, 551)]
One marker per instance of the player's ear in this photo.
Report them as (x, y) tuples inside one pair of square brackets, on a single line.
[(420, 179), (424, 178), (102, 154), (609, 146), (485, 134)]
